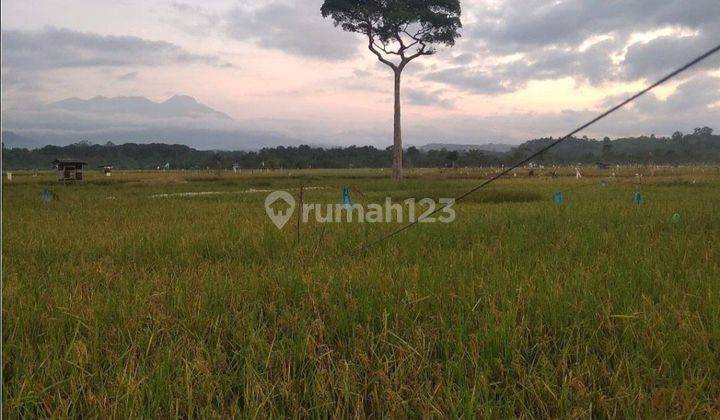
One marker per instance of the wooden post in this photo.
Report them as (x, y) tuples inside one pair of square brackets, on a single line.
[(299, 213)]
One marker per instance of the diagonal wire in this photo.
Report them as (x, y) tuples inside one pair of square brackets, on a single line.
[(551, 145)]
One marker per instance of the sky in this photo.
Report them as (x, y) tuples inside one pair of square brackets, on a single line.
[(522, 69)]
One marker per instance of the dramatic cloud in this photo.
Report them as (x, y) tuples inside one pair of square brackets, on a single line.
[(592, 41), (656, 57), (690, 97), (292, 28), (514, 25), (592, 65), (53, 48)]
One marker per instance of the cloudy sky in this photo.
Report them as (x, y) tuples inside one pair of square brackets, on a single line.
[(522, 69)]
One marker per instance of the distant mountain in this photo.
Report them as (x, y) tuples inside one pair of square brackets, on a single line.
[(174, 107), (489, 147), (135, 119), (10, 140)]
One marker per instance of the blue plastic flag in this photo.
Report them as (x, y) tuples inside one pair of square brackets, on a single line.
[(46, 196), (638, 198), (347, 202), (558, 198), (603, 184)]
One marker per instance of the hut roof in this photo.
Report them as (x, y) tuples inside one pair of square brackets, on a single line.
[(68, 162)]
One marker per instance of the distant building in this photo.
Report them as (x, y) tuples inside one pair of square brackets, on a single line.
[(107, 169), (69, 170)]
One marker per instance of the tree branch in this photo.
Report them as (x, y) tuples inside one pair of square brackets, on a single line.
[(418, 35), (378, 48), (371, 47), (383, 49), (400, 41), (421, 51)]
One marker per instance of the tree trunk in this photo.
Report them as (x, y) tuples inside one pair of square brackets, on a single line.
[(397, 135)]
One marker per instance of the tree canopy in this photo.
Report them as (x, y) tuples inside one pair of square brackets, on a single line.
[(406, 29)]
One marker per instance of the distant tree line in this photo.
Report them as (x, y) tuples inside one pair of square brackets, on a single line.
[(701, 146)]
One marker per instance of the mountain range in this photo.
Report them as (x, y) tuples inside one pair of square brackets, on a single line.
[(178, 120), (174, 107), (136, 119), (11, 140)]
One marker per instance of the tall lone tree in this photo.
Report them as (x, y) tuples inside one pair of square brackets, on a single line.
[(398, 31)]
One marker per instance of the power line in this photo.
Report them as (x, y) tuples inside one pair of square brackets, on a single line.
[(551, 145)]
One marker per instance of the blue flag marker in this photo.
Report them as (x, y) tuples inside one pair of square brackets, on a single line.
[(347, 202), (46, 196), (558, 198), (603, 184), (638, 198)]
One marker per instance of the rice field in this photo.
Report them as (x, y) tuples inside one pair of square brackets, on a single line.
[(157, 294)]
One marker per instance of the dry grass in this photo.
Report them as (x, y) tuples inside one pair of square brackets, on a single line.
[(200, 307)]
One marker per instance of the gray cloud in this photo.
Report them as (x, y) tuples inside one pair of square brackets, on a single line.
[(692, 96), (465, 58), (592, 65), (53, 48), (551, 37), (522, 24), (293, 28), (20, 81), (193, 19), (689, 106), (475, 81), (659, 56), (128, 76), (428, 98)]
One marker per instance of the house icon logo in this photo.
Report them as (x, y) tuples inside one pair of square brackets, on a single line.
[(279, 217)]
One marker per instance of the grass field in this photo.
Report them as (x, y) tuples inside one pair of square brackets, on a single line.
[(119, 304)]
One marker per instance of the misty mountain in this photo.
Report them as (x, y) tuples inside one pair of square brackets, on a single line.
[(11, 140), (174, 107), (180, 120), (488, 147)]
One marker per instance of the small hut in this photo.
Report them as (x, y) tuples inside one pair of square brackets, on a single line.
[(107, 169), (69, 170)]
